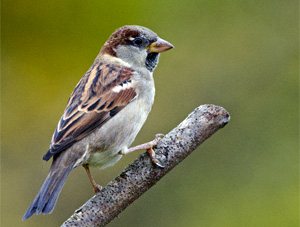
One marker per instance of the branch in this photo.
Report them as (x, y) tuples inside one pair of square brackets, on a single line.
[(141, 175)]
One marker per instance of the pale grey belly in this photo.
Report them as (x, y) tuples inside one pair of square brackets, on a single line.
[(117, 134)]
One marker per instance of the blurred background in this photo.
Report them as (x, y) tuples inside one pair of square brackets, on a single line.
[(242, 55)]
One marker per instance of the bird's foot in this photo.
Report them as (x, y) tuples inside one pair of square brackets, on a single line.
[(97, 188), (148, 146)]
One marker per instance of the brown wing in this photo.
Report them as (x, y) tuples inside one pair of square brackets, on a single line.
[(101, 93)]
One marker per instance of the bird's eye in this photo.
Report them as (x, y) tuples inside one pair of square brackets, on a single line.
[(137, 41)]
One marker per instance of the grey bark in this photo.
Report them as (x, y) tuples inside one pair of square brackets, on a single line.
[(141, 175)]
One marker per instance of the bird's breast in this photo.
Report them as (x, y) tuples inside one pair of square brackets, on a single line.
[(119, 132)]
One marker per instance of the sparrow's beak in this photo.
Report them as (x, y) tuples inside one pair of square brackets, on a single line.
[(160, 45)]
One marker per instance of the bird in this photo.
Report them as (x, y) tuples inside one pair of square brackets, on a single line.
[(105, 112)]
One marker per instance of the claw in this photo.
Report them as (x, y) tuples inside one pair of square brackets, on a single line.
[(97, 188), (159, 165), (154, 159)]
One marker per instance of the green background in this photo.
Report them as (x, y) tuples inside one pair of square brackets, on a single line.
[(242, 55)]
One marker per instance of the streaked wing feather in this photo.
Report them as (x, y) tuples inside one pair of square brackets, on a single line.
[(92, 103)]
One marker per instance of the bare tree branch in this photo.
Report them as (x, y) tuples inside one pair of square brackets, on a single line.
[(141, 175)]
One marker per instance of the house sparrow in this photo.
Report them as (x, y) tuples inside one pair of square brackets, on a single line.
[(105, 112)]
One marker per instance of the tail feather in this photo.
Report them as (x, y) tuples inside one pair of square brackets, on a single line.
[(46, 199)]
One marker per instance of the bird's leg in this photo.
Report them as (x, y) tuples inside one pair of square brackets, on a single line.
[(97, 187), (147, 146)]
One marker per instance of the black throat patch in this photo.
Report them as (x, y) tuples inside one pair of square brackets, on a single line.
[(151, 61)]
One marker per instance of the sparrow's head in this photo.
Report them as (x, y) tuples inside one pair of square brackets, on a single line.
[(138, 46)]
